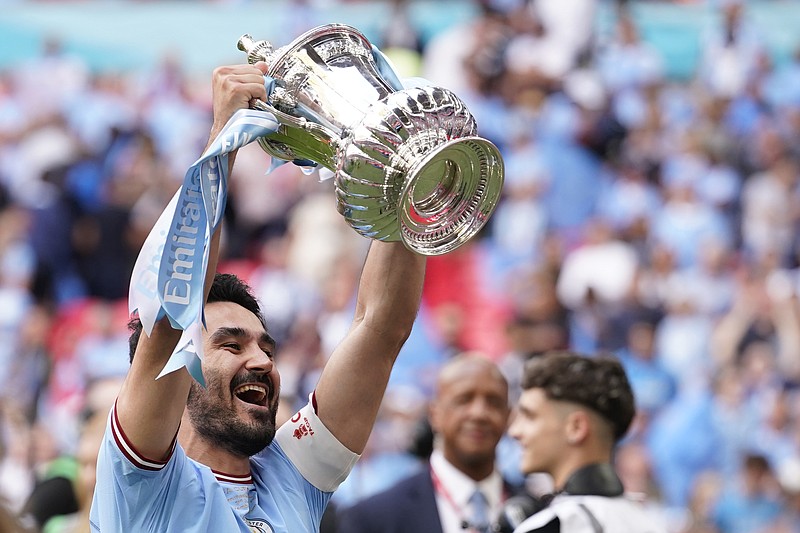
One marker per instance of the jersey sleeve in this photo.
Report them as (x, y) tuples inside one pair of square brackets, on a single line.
[(128, 483), (321, 459), (127, 449)]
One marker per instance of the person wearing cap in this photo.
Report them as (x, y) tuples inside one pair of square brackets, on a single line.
[(572, 412)]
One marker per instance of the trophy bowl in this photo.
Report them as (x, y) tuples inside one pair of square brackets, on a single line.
[(408, 164)]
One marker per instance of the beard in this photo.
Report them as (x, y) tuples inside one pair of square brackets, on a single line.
[(216, 420)]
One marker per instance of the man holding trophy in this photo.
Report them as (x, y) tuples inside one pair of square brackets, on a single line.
[(196, 449)]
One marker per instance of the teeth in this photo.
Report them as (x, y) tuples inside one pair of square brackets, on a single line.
[(247, 388), (258, 397)]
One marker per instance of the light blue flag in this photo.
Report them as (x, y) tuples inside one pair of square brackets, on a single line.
[(170, 272)]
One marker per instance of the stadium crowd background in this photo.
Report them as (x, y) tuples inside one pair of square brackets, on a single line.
[(650, 210)]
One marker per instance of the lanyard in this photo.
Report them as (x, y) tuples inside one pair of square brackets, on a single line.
[(441, 490)]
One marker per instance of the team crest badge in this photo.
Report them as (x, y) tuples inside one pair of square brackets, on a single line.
[(259, 526)]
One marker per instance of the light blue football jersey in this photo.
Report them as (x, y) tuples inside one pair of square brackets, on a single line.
[(290, 484)]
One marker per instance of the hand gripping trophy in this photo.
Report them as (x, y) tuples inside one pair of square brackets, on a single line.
[(407, 162)]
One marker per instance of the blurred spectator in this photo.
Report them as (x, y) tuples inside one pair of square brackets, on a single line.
[(60, 500), (752, 502), (777, 437), (770, 203), (528, 338), (709, 284), (595, 279), (100, 351), (105, 107), (446, 55), (653, 386), (682, 340), (764, 310), (286, 299), (705, 493), (48, 96), (789, 479), (780, 86), (628, 202), (174, 115), (730, 50), (627, 62), (685, 223), (520, 221), (632, 463), (386, 459), (700, 430), (400, 39), (29, 372), (569, 26), (16, 475), (533, 56), (17, 265)]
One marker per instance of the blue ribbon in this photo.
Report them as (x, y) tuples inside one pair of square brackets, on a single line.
[(170, 272)]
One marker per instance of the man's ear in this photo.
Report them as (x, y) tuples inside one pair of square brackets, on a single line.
[(578, 426)]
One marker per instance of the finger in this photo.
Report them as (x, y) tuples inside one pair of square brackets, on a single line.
[(250, 83), (229, 71), (254, 87), (243, 68), (255, 77)]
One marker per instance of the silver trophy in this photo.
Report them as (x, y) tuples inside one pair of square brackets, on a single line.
[(407, 163)]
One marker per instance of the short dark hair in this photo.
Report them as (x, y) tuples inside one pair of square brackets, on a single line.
[(598, 383), (224, 288)]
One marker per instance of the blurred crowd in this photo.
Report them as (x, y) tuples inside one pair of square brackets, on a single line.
[(648, 217)]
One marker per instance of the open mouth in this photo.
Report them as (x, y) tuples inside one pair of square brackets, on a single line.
[(252, 394)]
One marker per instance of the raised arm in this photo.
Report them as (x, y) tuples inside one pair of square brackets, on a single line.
[(149, 409), (354, 380)]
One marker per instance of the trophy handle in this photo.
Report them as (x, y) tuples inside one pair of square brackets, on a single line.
[(279, 144), (297, 122)]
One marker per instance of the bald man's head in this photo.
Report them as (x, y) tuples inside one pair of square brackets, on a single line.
[(468, 363), (469, 413)]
